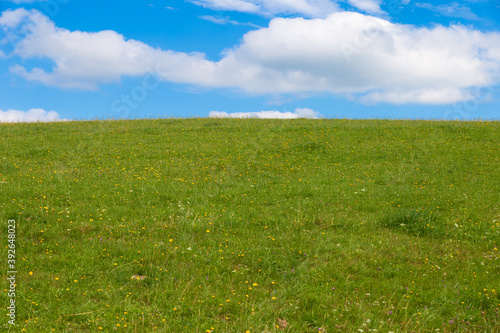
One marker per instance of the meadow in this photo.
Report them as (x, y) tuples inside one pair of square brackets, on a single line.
[(247, 225)]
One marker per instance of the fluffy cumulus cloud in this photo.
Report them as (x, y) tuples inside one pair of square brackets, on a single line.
[(347, 54), (298, 113), (33, 115), (82, 60), (13, 18)]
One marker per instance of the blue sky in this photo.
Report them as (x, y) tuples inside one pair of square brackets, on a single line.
[(75, 59)]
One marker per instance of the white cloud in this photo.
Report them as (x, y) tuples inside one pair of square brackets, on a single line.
[(215, 19), (12, 18), (225, 20), (368, 6), (307, 8), (26, 1), (236, 5), (298, 113), (33, 115), (85, 60), (347, 54), (453, 9), (307, 113), (422, 96), (350, 53)]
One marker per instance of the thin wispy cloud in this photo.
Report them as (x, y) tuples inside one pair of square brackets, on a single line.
[(453, 9), (26, 1), (368, 6), (226, 20), (306, 8)]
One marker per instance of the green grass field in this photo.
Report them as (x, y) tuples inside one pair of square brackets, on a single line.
[(246, 225)]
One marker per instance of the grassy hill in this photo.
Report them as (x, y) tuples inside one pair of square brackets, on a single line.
[(236, 225)]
